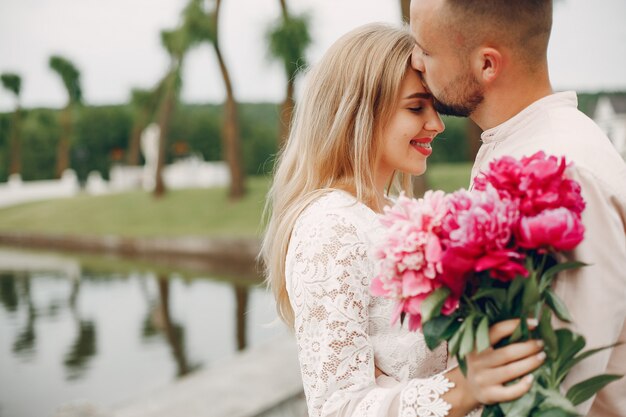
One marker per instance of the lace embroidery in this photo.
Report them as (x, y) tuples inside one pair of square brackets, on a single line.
[(340, 329), (422, 397)]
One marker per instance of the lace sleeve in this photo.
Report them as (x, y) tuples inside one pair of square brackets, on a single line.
[(328, 274)]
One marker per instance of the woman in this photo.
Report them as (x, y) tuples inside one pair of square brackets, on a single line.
[(365, 124)]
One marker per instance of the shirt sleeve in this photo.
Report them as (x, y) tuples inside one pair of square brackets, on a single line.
[(596, 294), (328, 276)]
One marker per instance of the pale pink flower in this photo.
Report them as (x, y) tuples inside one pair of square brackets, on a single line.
[(558, 229)]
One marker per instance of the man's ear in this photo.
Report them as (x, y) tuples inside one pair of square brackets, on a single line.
[(488, 63)]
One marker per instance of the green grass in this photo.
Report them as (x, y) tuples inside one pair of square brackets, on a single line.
[(193, 212), (449, 177)]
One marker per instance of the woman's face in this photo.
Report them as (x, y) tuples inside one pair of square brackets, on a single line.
[(406, 139)]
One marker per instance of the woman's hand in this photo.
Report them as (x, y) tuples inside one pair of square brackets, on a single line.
[(489, 371)]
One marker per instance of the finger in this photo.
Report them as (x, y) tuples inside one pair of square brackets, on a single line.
[(492, 358), (501, 393), (514, 370), (506, 328)]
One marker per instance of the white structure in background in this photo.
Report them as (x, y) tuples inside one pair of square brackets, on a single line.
[(15, 191), (150, 149), (95, 184), (610, 115), (191, 172)]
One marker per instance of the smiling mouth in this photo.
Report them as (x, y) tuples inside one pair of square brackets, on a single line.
[(420, 144)]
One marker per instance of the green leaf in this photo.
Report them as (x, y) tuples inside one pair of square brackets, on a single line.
[(547, 334), (467, 341), (431, 307), (520, 332), (462, 365), (482, 335), (520, 407), (530, 297), (559, 308), (553, 400), (547, 276), (455, 341), (554, 412), (569, 344), (590, 352), (439, 329), (514, 289), (496, 294), (582, 391), (492, 411)]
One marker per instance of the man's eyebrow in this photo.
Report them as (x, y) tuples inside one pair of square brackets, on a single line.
[(419, 95)]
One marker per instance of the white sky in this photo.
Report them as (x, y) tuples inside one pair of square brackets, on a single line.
[(116, 45)]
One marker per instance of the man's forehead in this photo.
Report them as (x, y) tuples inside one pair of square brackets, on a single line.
[(424, 15)]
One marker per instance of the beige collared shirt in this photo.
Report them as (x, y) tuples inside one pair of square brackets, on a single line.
[(596, 294)]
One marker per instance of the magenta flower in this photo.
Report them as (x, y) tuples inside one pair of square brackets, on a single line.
[(538, 182), (478, 236)]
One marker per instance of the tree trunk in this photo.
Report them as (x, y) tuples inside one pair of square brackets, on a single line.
[(165, 116), (420, 185), (140, 123), (231, 139), (63, 147), (174, 338), (283, 8), (405, 6), (286, 112), (241, 296), (472, 135), (15, 152)]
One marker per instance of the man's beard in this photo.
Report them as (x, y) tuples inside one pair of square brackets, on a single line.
[(470, 97)]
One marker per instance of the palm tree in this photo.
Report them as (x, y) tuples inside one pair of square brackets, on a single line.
[(13, 83), (420, 182), (71, 80), (288, 39), (176, 42), (405, 6), (143, 103), (203, 26)]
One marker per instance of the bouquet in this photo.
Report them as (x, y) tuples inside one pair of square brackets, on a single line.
[(458, 263)]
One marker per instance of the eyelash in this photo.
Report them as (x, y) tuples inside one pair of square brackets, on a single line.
[(416, 109)]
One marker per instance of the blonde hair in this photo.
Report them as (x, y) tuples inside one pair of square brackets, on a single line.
[(348, 98)]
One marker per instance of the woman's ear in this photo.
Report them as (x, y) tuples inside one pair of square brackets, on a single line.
[(488, 64)]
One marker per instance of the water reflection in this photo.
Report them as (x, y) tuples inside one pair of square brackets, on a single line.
[(70, 331), (24, 344)]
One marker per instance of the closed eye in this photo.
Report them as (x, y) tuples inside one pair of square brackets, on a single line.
[(416, 109)]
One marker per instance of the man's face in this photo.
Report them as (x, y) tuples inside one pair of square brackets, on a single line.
[(444, 70)]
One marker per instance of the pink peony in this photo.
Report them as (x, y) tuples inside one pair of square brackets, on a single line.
[(537, 182), (410, 256), (559, 229), (478, 236)]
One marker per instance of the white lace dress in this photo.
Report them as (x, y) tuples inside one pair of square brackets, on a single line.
[(342, 330)]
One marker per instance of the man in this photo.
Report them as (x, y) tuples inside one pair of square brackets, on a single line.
[(487, 60)]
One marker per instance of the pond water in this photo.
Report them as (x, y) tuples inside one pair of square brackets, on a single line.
[(71, 331)]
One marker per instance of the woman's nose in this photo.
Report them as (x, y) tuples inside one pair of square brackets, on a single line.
[(416, 60), (434, 123)]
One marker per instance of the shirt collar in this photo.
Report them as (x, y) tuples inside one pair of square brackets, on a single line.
[(526, 116)]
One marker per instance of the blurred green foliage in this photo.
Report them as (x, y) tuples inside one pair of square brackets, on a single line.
[(102, 134)]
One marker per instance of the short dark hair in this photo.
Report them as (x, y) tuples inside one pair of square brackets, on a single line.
[(524, 25)]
